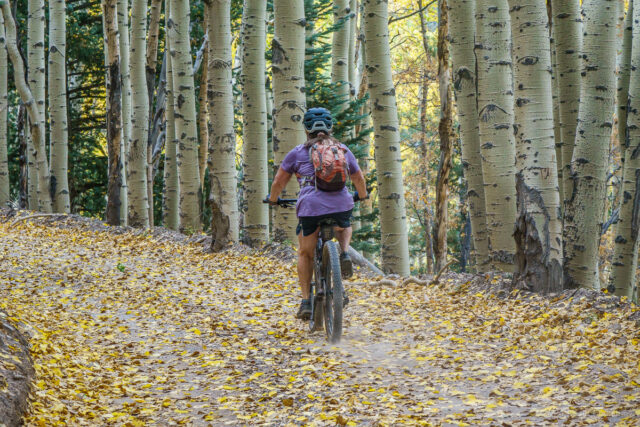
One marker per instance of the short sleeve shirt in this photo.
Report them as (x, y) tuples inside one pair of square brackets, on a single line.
[(311, 201)]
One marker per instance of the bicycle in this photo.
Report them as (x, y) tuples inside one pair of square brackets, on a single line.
[(327, 292)]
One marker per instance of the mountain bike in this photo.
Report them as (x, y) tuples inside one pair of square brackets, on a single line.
[(327, 293)]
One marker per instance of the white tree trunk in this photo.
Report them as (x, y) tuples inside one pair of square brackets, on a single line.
[(185, 116), (254, 115), (137, 161), (340, 51), (4, 162), (288, 99), (584, 211), (125, 73), (58, 105), (393, 221), (538, 231)]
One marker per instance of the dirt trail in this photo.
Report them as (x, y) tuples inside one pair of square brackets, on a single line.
[(129, 331)]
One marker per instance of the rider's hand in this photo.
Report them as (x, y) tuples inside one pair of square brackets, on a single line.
[(357, 198), (269, 201)]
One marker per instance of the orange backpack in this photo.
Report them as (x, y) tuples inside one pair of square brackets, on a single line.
[(330, 164)]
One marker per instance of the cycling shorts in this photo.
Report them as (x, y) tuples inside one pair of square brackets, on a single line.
[(309, 224)]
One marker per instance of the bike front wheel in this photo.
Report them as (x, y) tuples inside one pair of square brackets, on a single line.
[(333, 298)]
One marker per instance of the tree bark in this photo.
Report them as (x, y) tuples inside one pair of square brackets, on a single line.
[(538, 232), (171, 195), (185, 116), (203, 111), (445, 131), (254, 115), (35, 115), (624, 77), (5, 196), (137, 161), (462, 35), (495, 120), (150, 71), (58, 105), (567, 30), (625, 259), (393, 217), (125, 73), (288, 47), (340, 52), (583, 217), (222, 144), (114, 119)]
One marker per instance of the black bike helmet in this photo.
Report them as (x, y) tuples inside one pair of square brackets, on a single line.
[(318, 120)]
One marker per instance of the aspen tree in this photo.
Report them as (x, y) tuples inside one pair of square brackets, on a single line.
[(114, 118), (393, 221), (58, 105), (495, 121), (4, 162), (340, 51), (625, 259), (171, 190), (137, 161), (353, 46), (254, 116), (185, 115), (125, 73), (567, 34), (222, 144), (584, 210), (462, 34), (203, 111), (37, 83), (538, 233), (624, 76), (288, 98), (36, 121)]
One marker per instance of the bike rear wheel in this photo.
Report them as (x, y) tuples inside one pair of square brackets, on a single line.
[(333, 291)]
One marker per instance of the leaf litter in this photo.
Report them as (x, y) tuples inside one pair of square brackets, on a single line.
[(130, 329)]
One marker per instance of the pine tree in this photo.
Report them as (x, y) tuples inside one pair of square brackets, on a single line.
[(58, 105), (583, 215), (395, 246), (254, 114), (4, 162), (538, 233), (495, 112)]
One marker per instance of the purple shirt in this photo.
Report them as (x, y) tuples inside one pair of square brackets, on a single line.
[(312, 202)]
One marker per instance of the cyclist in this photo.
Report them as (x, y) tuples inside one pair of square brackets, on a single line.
[(315, 204)]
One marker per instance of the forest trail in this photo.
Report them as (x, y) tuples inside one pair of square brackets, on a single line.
[(128, 330)]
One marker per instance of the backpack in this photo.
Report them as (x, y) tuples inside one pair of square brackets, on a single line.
[(330, 164)]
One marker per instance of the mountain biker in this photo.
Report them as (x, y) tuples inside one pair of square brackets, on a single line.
[(315, 204)]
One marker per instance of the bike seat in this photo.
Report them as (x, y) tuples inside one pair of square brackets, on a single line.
[(327, 222)]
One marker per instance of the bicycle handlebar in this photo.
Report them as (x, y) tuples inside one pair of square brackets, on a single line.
[(285, 203)]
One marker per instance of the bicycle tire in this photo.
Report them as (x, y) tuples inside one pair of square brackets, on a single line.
[(333, 298)]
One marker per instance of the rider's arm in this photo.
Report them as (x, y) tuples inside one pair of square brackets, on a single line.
[(279, 182), (360, 184)]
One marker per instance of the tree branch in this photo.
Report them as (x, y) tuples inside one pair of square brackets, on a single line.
[(400, 18)]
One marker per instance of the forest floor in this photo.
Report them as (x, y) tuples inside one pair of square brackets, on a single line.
[(133, 328)]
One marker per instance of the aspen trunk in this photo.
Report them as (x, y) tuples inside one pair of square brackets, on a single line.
[(624, 77), (114, 119), (203, 111), (171, 194), (557, 131), (254, 115), (58, 105), (353, 46), (137, 161), (495, 120), (567, 30), (462, 34), (5, 196), (583, 217), (538, 233), (340, 51), (185, 116), (393, 221), (150, 72), (222, 145), (289, 100), (35, 115), (125, 73), (445, 132), (37, 84), (625, 258)]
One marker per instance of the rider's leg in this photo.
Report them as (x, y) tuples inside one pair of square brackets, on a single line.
[(306, 249), (344, 237)]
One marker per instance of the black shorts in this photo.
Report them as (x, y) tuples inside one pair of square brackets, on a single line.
[(309, 224)]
